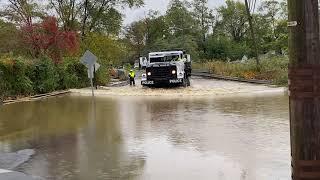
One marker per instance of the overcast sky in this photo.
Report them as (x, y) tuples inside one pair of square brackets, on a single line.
[(139, 13), (158, 5)]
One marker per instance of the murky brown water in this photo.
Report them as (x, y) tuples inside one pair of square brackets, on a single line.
[(151, 138)]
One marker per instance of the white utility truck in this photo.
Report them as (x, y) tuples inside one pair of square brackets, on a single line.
[(167, 68)]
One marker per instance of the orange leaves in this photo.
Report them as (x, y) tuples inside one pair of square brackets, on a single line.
[(249, 75)]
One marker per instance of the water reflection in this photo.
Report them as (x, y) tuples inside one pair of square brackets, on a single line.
[(151, 138), (75, 138)]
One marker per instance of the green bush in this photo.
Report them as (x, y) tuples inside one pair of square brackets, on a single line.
[(48, 77), (108, 50), (102, 76), (45, 75), (224, 48), (21, 77), (14, 80), (274, 69), (281, 79), (73, 74)]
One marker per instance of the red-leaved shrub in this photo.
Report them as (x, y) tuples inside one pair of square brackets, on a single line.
[(46, 38)]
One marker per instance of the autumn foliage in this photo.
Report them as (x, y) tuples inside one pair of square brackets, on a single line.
[(46, 38)]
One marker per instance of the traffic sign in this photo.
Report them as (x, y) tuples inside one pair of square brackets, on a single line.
[(96, 66), (93, 68), (88, 59)]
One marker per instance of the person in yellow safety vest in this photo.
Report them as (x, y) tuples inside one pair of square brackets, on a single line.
[(132, 75)]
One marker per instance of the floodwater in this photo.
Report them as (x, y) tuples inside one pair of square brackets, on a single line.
[(199, 87), (151, 138)]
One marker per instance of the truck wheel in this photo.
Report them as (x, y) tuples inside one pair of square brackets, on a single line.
[(188, 81), (185, 83)]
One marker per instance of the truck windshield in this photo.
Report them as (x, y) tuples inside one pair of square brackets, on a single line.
[(157, 59), (164, 59)]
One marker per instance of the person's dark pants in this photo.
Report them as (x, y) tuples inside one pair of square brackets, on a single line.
[(132, 82)]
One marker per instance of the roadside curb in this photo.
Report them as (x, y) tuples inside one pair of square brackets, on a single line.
[(36, 97), (226, 78)]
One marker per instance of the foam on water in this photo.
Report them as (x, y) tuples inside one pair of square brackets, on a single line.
[(200, 87), (4, 171)]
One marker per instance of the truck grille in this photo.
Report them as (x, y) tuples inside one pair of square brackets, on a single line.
[(161, 73)]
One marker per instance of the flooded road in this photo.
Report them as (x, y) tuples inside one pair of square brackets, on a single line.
[(199, 87), (151, 138)]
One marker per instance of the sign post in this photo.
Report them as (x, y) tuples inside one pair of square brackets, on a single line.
[(90, 61)]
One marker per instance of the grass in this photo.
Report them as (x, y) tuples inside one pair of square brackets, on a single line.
[(274, 69)]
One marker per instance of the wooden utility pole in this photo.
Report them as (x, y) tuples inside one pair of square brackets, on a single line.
[(304, 87), (253, 36)]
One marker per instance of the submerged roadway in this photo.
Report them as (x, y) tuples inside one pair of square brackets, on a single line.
[(212, 130)]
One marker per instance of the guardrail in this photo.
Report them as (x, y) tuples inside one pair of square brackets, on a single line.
[(206, 74)]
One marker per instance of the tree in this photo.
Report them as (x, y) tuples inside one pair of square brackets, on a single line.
[(284, 9), (186, 42), (203, 17), (47, 39), (92, 15), (274, 15), (224, 48), (10, 35), (264, 33), (156, 28), (98, 10), (136, 36), (254, 46), (17, 14), (109, 51), (22, 12), (68, 11), (233, 20), (271, 11), (180, 20), (109, 23)]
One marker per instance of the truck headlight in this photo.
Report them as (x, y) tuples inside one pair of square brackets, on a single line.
[(149, 73), (174, 72)]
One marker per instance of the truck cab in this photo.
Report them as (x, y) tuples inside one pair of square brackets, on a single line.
[(143, 62), (167, 68)]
